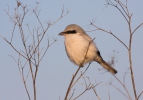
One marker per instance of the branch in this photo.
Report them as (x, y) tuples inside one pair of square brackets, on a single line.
[(129, 96), (109, 33), (109, 2), (82, 63), (72, 95), (88, 87), (120, 91), (70, 85), (44, 31), (80, 75), (13, 47), (93, 88), (140, 95), (137, 28)]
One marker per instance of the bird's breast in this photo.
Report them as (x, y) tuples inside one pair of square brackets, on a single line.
[(76, 48)]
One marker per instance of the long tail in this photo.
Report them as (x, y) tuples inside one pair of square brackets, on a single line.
[(108, 67), (104, 64)]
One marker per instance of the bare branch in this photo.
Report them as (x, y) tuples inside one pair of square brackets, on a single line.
[(83, 62), (125, 76), (72, 95), (93, 88), (115, 5), (137, 28), (80, 94), (129, 96), (70, 85), (37, 16), (47, 48), (140, 95), (120, 91), (13, 46), (44, 31), (12, 32), (80, 75), (88, 86), (123, 7), (110, 33), (87, 51), (32, 53)]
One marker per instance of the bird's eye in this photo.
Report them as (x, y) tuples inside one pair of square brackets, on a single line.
[(71, 32)]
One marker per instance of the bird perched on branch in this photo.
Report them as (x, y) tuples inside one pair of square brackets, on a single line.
[(81, 49)]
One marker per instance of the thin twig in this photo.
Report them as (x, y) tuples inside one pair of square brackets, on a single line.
[(124, 77), (120, 91), (101, 29), (96, 93), (88, 87), (115, 5), (122, 6), (140, 95), (71, 83), (137, 28), (129, 96), (13, 47), (87, 51), (72, 95), (44, 31), (47, 49), (12, 32), (80, 94), (130, 58), (31, 53), (80, 75)]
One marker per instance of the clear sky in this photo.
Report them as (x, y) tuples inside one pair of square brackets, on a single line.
[(56, 70)]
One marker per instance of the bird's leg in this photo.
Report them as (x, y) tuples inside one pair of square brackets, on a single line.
[(81, 65)]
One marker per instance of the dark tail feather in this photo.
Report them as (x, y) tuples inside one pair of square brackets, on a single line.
[(104, 64), (108, 67)]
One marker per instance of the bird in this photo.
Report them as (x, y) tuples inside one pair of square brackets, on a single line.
[(81, 49)]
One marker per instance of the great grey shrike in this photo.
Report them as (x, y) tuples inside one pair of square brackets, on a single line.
[(78, 44)]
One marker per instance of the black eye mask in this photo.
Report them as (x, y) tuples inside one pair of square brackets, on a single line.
[(71, 32)]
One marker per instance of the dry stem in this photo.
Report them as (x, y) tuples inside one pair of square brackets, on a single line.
[(72, 80)]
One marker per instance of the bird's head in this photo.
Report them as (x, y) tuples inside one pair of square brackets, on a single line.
[(72, 29)]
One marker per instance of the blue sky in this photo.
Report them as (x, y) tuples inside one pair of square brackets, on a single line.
[(56, 70)]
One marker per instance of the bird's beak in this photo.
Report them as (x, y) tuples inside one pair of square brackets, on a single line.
[(61, 33)]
